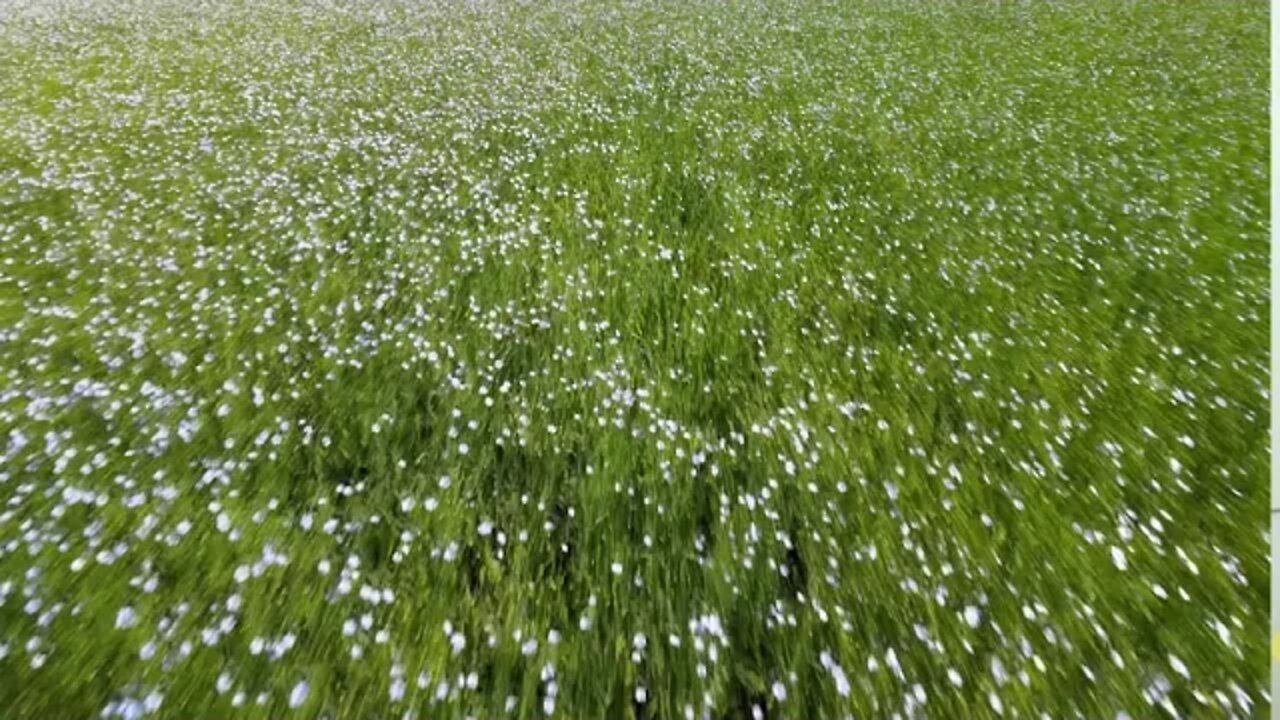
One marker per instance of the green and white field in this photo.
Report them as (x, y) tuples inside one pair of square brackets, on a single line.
[(633, 359)]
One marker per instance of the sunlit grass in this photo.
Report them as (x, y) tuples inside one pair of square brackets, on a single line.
[(600, 359)]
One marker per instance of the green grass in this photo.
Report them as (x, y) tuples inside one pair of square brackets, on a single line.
[(904, 357)]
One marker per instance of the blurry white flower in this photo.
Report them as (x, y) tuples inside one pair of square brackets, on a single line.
[(298, 695), (126, 617)]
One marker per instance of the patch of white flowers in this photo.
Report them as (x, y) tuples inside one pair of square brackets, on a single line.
[(353, 354)]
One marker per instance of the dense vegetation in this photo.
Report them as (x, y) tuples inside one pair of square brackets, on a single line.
[(602, 359)]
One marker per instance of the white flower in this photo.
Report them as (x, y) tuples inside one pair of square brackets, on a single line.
[(130, 709), (1119, 558), (298, 695), (837, 673), (126, 618)]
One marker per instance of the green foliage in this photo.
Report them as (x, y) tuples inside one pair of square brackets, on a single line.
[(861, 357)]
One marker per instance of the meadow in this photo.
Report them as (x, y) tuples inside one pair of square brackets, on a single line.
[(621, 359)]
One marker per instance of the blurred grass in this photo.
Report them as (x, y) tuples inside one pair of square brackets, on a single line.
[(869, 242)]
